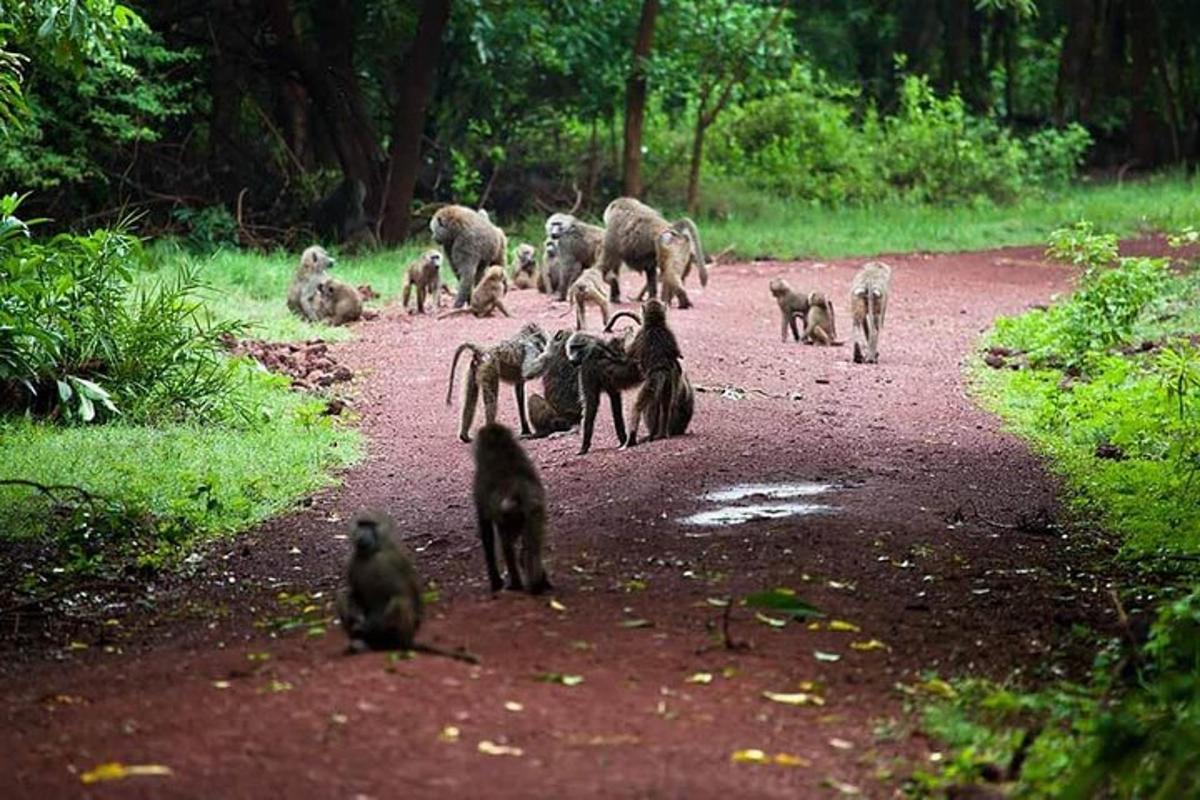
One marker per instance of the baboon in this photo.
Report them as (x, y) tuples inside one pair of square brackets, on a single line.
[(525, 276), (791, 305), (631, 234), (674, 254), (487, 297), (424, 274), (505, 361), (578, 246), (820, 327), (604, 367), (339, 216), (471, 242), (381, 607), (588, 288), (548, 272), (313, 271), (338, 302), (510, 504), (657, 353), (557, 409), (868, 305)]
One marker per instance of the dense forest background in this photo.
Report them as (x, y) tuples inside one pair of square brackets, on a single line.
[(228, 120)]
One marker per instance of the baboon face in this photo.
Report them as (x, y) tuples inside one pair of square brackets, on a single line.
[(366, 534), (779, 287), (817, 299), (434, 257), (551, 248), (315, 258), (557, 225), (654, 312), (525, 255), (578, 345)]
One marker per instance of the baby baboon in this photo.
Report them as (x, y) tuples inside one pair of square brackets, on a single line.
[(471, 242), (631, 234), (381, 607), (526, 275), (657, 353), (338, 302), (302, 295), (791, 305), (547, 273), (578, 247), (819, 324), (506, 362), (604, 366), (487, 297), (559, 409), (588, 288), (511, 505), (674, 254), (424, 274), (868, 305)]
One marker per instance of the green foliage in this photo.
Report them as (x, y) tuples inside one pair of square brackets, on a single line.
[(208, 229)]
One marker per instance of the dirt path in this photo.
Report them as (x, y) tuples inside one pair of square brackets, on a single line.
[(236, 711)]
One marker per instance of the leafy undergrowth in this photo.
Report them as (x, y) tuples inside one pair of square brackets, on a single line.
[(1106, 384)]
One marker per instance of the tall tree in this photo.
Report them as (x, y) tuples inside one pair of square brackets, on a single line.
[(635, 99)]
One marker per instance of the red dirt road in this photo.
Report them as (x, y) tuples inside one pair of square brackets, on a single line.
[(237, 712)]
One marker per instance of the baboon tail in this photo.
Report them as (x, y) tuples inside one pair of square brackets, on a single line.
[(617, 316), (688, 229), (474, 348)]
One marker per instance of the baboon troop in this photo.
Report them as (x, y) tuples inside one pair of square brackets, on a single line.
[(424, 275), (868, 305), (471, 242), (506, 362), (632, 233)]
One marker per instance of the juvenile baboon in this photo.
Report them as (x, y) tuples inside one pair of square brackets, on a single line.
[(525, 276), (338, 302), (381, 607), (631, 234), (657, 353), (510, 504), (868, 305), (487, 297), (819, 324), (588, 289), (791, 305), (303, 295), (674, 254), (471, 242), (604, 367), (424, 275), (506, 362), (548, 272), (578, 247), (557, 408)]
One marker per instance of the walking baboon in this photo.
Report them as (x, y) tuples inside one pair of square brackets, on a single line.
[(302, 294), (381, 607), (425, 276), (631, 234), (791, 305), (525, 276), (557, 408), (505, 361), (819, 324), (578, 247), (510, 504), (471, 242), (338, 302), (868, 305), (657, 353), (674, 254), (604, 367), (487, 297), (588, 289)]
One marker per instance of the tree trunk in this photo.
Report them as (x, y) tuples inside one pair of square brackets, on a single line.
[(693, 187), (408, 119), (635, 100), (1070, 96)]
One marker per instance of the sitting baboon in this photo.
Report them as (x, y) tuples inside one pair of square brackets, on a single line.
[(819, 324), (471, 242), (506, 362), (525, 276), (588, 289), (557, 409), (578, 247), (868, 305), (487, 297), (604, 367), (548, 271), (303, 293), (338, 302), (657, 353), (791, 305), (424, 274), (631, 235)]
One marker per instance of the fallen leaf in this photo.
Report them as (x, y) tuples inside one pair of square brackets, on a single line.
[(774, 622), (843, 626), (843, 787), (821, 655), (939, 687), (277, 686), (795, 699), (450, 733), (637, 623), (493, 749), (807, 686), (699, 677), (873, 644), (221, 684), (558, 677), (258, 656), (513, 706), (634, 585), (751, 756), (77, 646), (557, 606), (789, 760), (841, 744), (729, 672), (115, 771), (783, 601), (717, 602)]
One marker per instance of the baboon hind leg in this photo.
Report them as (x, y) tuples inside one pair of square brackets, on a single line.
[(470, 398), (508, 541), (519, 391), (487, 537)]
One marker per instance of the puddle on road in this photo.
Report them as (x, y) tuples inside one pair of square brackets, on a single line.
[(775, 491), (736, 515), (732, 513)]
